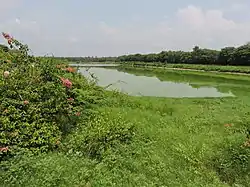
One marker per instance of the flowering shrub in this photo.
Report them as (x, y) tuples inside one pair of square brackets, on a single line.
[(40, 101), (66, 82)]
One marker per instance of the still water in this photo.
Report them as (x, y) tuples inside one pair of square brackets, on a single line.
[(94, 65), (145, 83)]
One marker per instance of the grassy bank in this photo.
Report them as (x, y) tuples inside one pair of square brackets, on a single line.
[(177, 142), (59, 129), (216, 68)]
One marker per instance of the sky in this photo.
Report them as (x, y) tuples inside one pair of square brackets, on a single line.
[(118, 27)]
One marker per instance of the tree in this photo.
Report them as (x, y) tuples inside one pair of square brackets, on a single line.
[(226, 56)]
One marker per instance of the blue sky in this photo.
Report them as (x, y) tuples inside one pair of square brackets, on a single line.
[(115, 27)]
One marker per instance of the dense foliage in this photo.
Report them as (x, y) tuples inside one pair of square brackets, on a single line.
[(237, 56), (42, 100), (88, 59)]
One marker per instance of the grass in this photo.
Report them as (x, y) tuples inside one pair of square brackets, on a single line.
[(234, 69), (176, 142), (218, 68)]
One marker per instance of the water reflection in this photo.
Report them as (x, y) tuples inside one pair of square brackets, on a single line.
[(139, 83)]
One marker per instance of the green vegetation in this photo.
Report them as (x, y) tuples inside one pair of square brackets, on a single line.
[(239, 56), (196, 149), (59, 129), (217, 68), (227, 56), (39, 103)]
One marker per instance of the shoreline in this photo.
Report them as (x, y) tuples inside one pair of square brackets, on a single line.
[(187, 69)]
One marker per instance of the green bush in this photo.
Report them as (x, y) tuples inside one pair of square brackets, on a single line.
[(41, 100)]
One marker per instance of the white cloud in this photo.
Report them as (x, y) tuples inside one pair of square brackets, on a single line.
[(211, 25), (192, 16), (189, 26), (196, 18)]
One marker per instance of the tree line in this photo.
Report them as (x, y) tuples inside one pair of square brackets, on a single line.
[(226, 56), (238, 56)]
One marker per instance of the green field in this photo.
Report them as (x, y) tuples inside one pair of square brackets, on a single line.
[(234, 69), (178, 142), (175, 142), (219, 68)]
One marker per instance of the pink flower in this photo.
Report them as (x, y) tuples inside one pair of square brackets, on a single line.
[(26, 102), (66, 82), (78, 114), (7, 36), (6, 74), (9, 42), (4, 149)]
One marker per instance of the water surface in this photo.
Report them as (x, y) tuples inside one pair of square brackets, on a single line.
[(145, 83), (94, 65)]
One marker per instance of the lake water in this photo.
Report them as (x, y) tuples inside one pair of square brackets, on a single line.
[(94, 65), (171, 84)]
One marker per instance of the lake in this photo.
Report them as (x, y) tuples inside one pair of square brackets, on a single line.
[(170, 84), (94, 65)]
